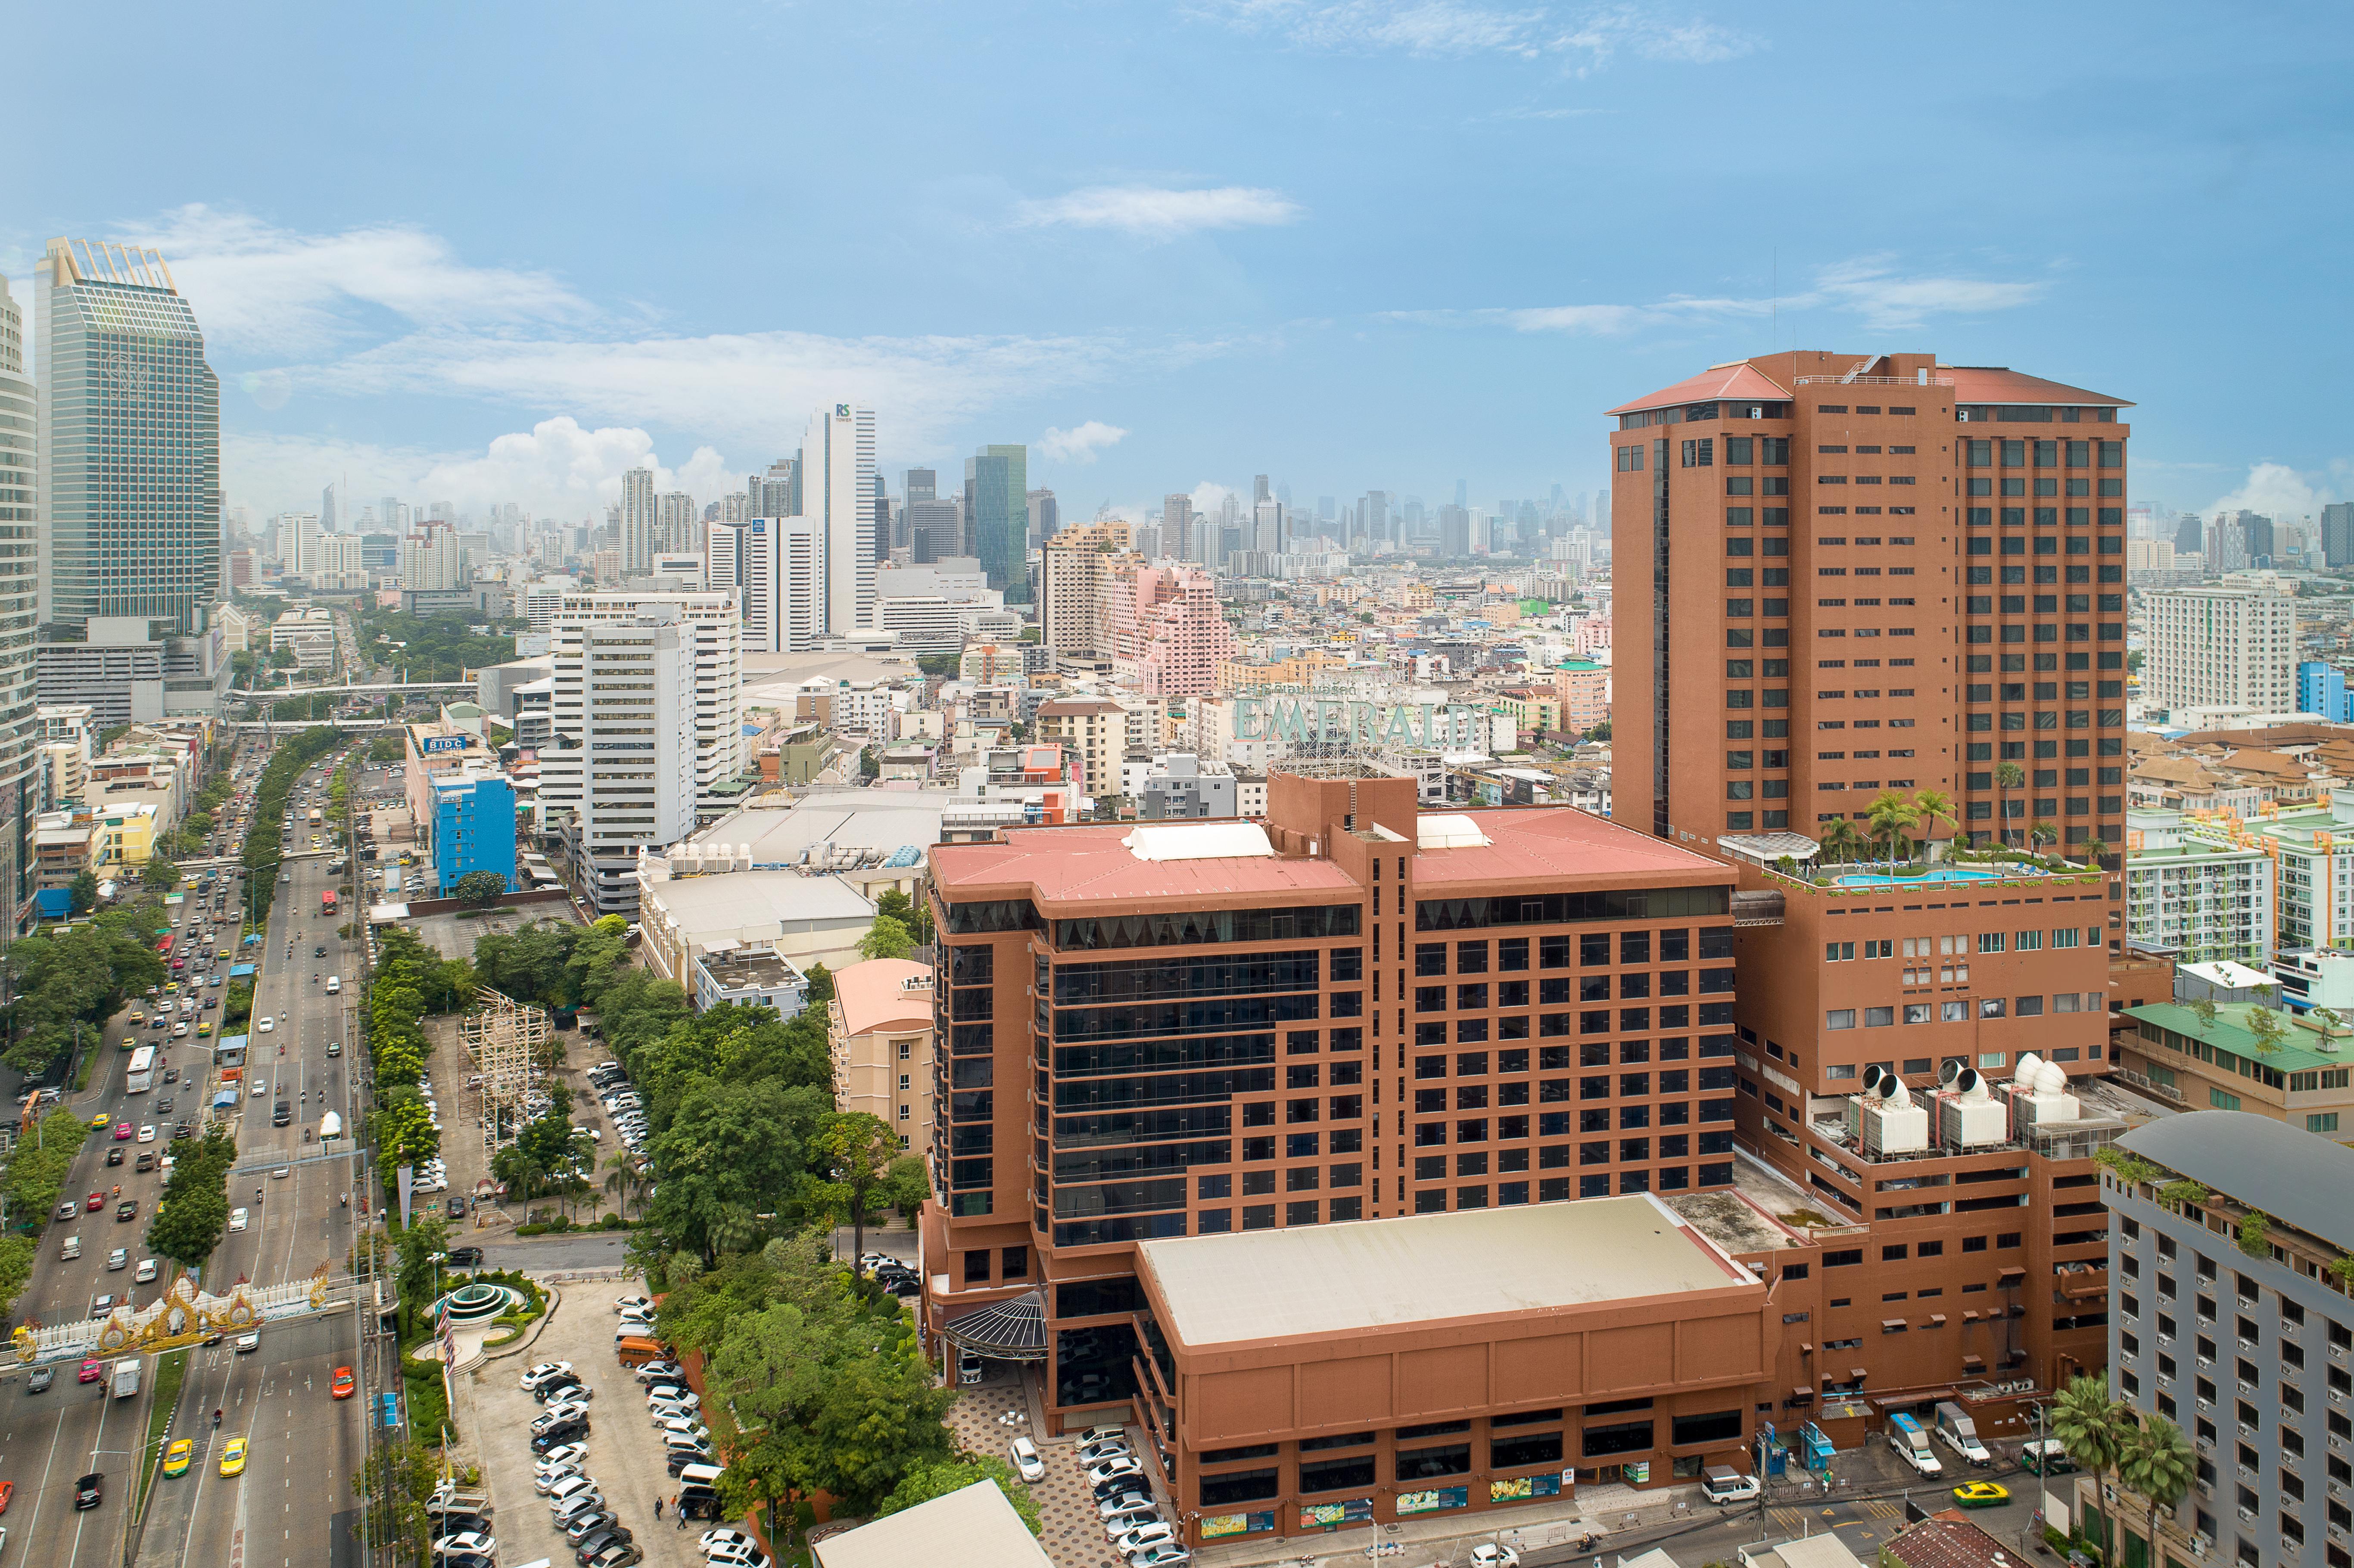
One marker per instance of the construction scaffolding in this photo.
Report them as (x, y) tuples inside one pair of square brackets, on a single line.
[(506, 1045)]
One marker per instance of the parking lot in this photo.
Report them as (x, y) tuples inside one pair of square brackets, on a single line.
[(625, 1457)]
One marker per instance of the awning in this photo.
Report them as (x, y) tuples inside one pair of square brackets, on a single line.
[(1806, 1350), (1858, 1373), (1013, 1331), (1937, 1320), (2010, 1274), (1890, 1325), (1888, 1401), (1970, 1317), (1802, 1391)]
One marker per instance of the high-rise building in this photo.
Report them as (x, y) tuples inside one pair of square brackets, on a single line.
[(921, 484), (130, 450), (2220, 647), (327, 509), (836, 491), (1375, 524), (2270, 1212), (997, 517), (298, 543), (1776, 675), (1177, 527), (639, 537), (1162, 627), (775, 567), (21, 728), (935, 528), (776, 493), (2337, 533), (1454, 533), (677, 527), (1267, 525), (1259, 489), (611, 815), (1045, 515), (1073, 564)]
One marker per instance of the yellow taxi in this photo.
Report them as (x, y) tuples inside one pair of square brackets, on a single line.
[(1981, 1494), (101, 1119), (204, 1029), (135, 1016), (222, 954), (233, 1457), (177, 1457)]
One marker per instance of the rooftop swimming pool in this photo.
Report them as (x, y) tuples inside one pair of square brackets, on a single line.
[(1934, 874)]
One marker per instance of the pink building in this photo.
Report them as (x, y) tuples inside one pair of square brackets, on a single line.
[(1162, 629), (1584, 690)]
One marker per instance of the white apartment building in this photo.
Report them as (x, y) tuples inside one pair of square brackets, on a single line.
[(774, 568), (310, 633), (626, 696), (538, 601), (2199, 894), (340, 565), (432, 561), (715, 642), (838, 492), (2219, 647), (638, 524)]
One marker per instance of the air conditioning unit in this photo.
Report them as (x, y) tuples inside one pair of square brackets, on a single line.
[(1968, 1116), (2201, 1545), (1887, 1121)]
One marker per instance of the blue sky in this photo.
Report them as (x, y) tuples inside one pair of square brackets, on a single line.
[(500, 253)]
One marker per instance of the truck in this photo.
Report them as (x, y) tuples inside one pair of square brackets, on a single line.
[(125, 1377), (1912, 1444), (450, 1498), (1958, 1432)]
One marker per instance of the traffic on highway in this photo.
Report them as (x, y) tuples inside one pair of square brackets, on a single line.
[(75, 1442)]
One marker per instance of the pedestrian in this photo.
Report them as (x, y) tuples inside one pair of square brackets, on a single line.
[(657, 1507)]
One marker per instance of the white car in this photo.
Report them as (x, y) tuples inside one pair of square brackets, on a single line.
[(266, 1025), (146, 1271), (738, 1557), (1026, 1463), (1157, 1533), (714, 1540), (1488, 1554), (261, 1090), (1113, 1470), (467, 1541), (147, 1133), (237, 1219), (544, 1371), (640, 1305), (1133, 1500), (1167, 1554), (572, 1507), (1107, 1448), (1135, 1516), (683, 1427)]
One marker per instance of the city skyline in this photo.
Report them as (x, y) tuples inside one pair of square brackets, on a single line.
[(1201, 296)]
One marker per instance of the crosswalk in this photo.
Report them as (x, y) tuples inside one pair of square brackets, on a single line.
[(1791, 1520)]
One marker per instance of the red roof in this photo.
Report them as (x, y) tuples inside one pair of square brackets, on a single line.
[(2000, 384), (1946, 1540), (1547, 843), (1059, 863), (1733, 382)]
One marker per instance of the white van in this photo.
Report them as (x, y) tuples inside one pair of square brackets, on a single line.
[(334, 984), (701, 1475)]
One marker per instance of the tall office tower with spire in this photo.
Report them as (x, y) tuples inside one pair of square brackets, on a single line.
[(836, 491), (128, 492), (997, 510), (20, 603), (640, 526)]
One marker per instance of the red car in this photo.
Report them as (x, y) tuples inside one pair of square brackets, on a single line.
[(93, 1369), (121, 1129), (341, 1386), (97, 1201)]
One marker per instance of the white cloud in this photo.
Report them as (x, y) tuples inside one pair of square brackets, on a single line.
[(269, 292), (1081, 444), (556, 468), (1209, 496), (1868, 288), (2281, 493), (1581, 38), (1160, 212)]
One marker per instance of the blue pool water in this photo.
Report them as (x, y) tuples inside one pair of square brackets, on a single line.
[(1934, 874)]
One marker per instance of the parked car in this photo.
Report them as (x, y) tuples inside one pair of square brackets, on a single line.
[(1026, 1463)]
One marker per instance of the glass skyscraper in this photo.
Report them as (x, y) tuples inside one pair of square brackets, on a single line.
[(997, 513), (20, 590), (130, 418)]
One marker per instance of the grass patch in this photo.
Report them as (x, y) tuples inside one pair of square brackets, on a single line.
[(171, 1372), (428, 1408)]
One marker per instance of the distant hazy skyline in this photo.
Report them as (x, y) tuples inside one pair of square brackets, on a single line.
[(484, 254)]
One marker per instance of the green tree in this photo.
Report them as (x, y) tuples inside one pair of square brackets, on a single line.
[(625, 1180), (387, 748), (1931, 807), (417, 1249), (907, 1184), (820, 985), (1599, 732), (886, 938), (2256, 1234), (393, 1483), (2093, 1427), (852, 1155), (160, 873), (194, 1211), (2157, 1463), (731, 1152), (2008, 775), (1891, 823), (1841, 839), (2204, 1011), (85, 893), (917, 915), (924, 1482), (481, 888)]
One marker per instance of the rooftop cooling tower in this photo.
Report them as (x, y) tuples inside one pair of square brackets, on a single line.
[(1968, 1116), (1890, 1122)]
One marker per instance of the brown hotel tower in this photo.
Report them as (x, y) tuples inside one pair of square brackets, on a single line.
[(1838, 575)]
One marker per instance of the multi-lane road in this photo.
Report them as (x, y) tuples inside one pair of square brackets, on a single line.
[(295, 1501)]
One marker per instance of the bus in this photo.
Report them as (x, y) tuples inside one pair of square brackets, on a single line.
[(140, 1077), (315, 817), (327, 902)]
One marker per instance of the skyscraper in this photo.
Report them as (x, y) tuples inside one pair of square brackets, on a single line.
[(130, 454), (20, 601), (776, 493), (997, 515), (2338, 532), (1177, 527), (676, 525), (1045, 515), (327, 509), (637, 542), (837, 491)]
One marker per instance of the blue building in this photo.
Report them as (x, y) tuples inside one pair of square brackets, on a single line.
[(472, 827), (2321, 689)]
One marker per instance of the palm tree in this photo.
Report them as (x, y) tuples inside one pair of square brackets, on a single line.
[(2089, 850), (625, 1181), (1891, 823), (1931, 807), (2042, 830), (1842, 840), (2094, 1429), (2157, 1463), (2007, 777)]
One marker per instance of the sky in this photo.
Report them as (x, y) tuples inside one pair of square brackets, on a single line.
[(490, 253)]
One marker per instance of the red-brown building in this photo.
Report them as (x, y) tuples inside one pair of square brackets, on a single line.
[(1351, 1011)]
